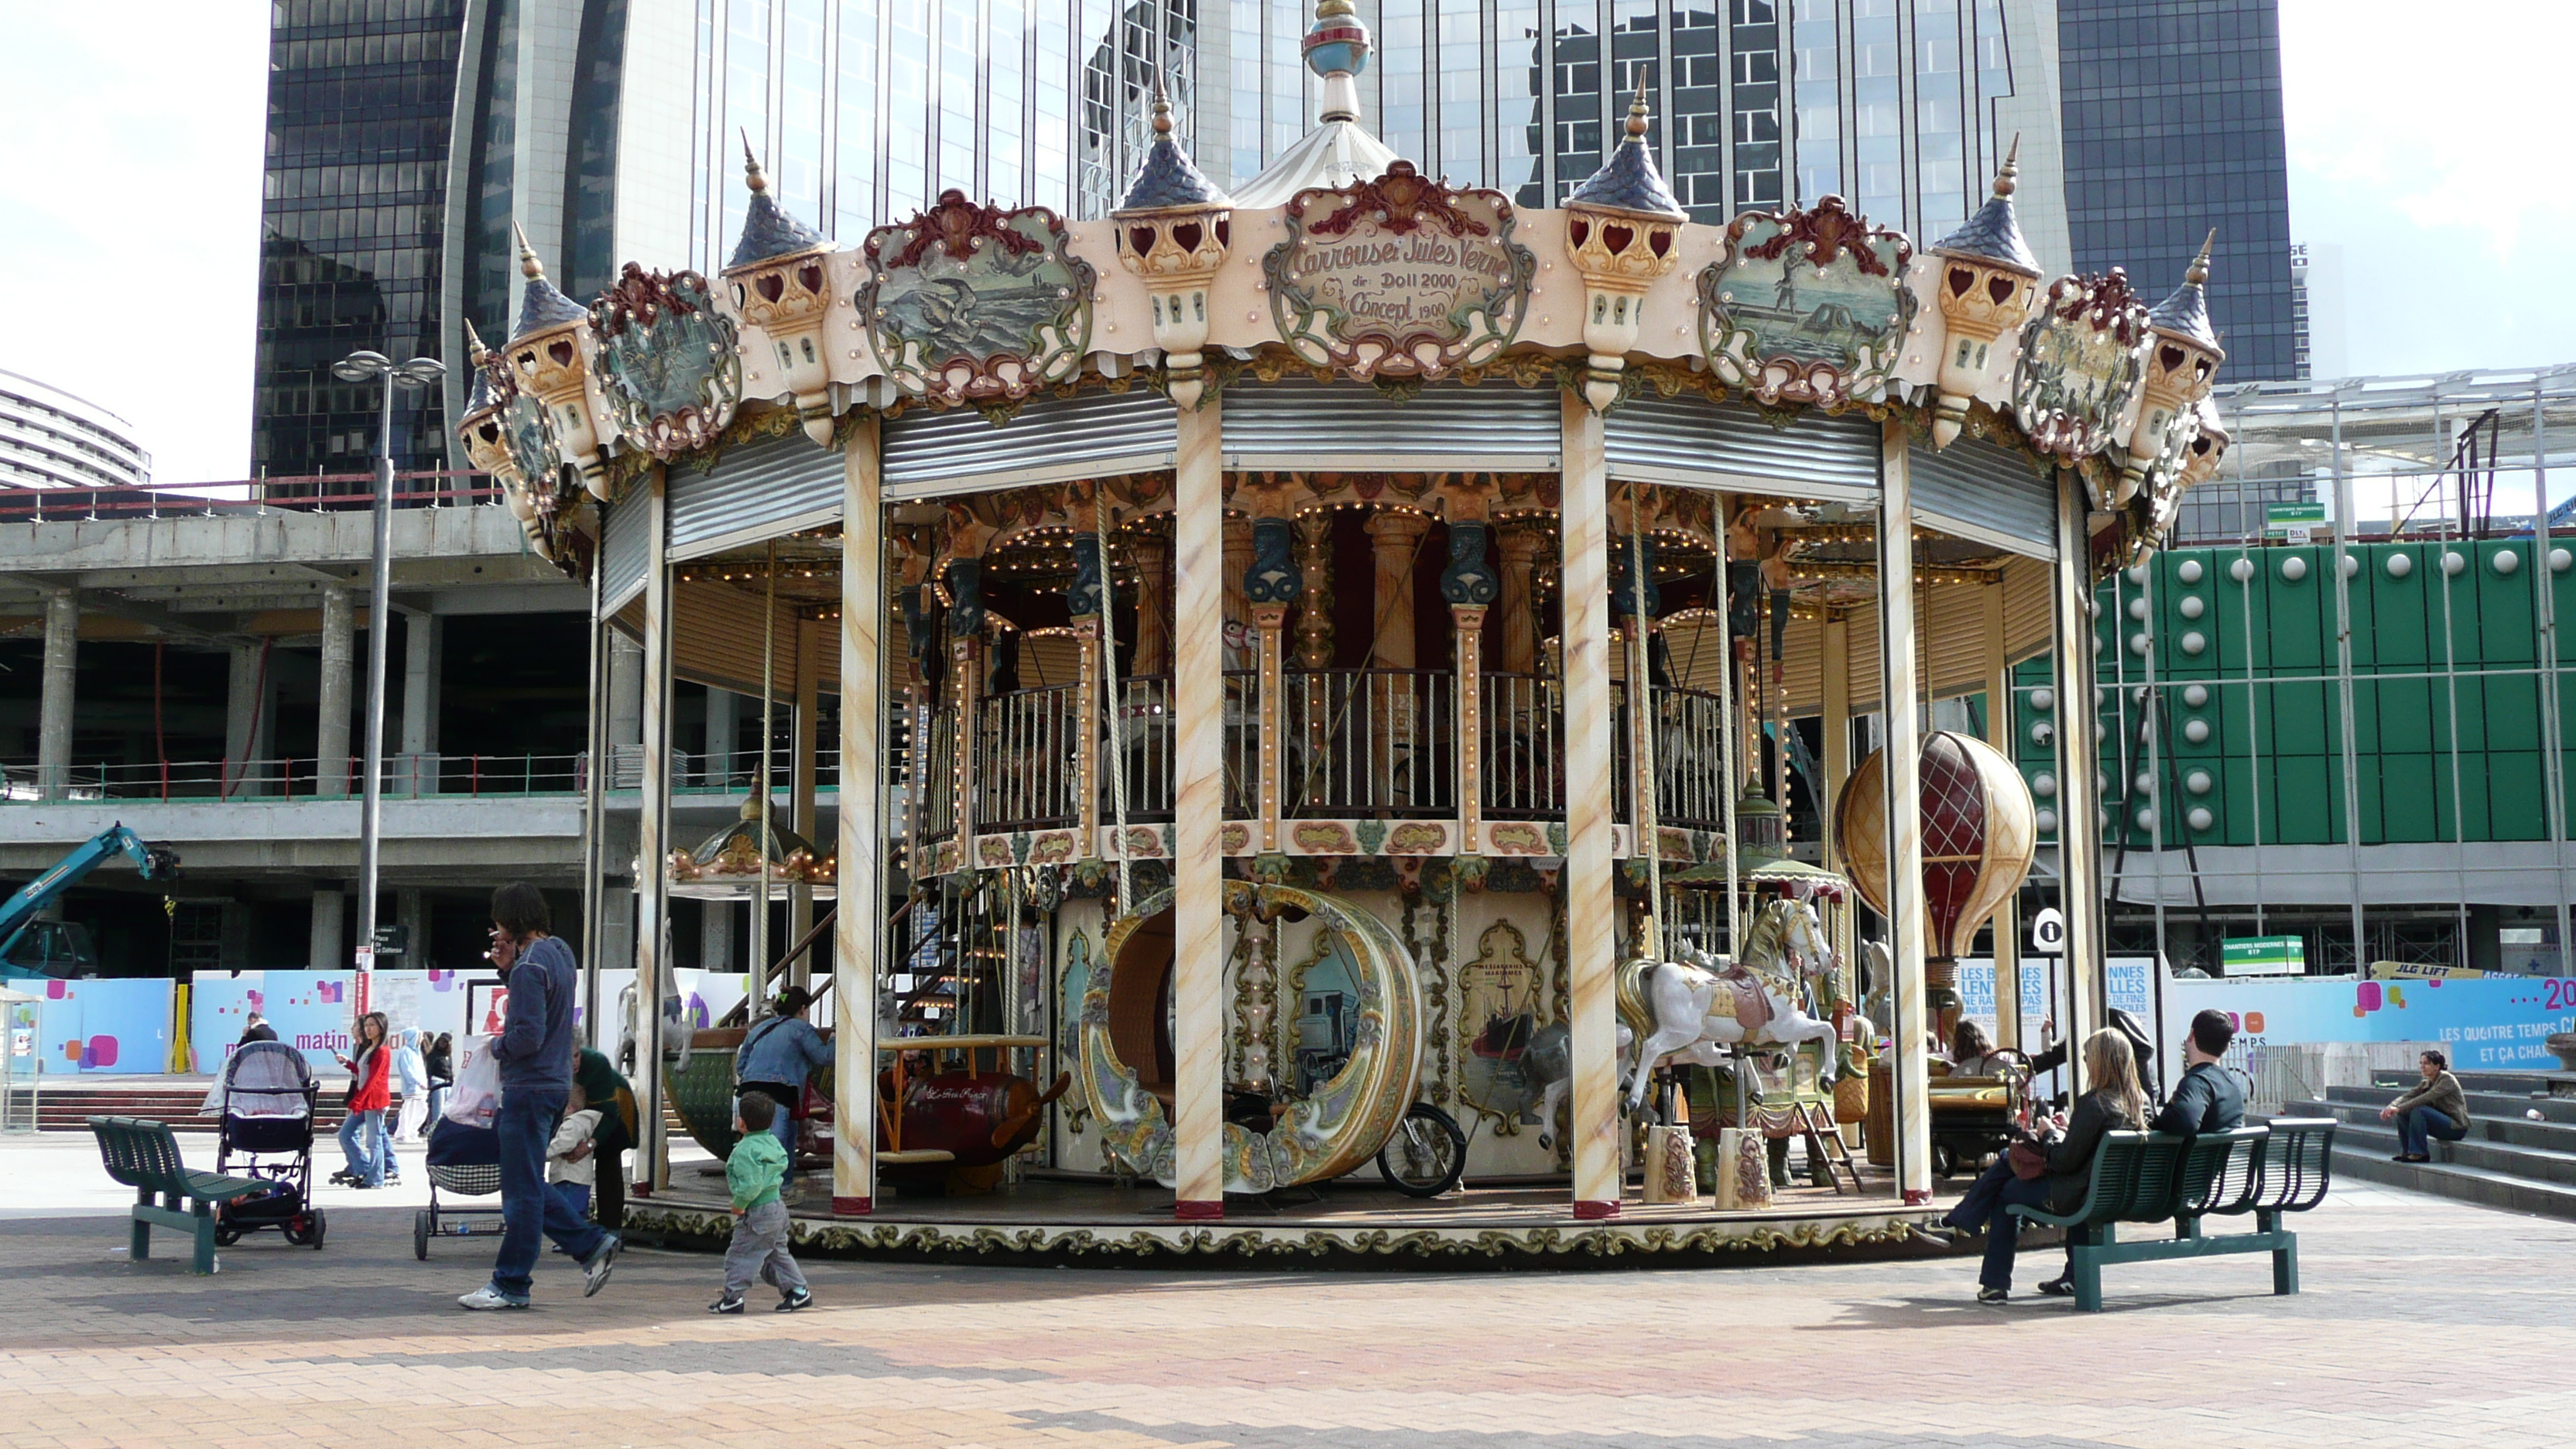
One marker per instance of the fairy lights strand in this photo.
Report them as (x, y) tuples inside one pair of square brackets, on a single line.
[(1109, 697)]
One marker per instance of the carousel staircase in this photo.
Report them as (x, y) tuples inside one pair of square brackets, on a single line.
[(2509, 1160)]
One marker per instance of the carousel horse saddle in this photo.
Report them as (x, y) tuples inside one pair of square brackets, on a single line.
[(1750, 1006)]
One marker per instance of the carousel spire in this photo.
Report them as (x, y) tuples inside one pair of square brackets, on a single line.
[(1630, 180), (768, 232), (1168, 177), (540, 305), (478, 395), (1994, 233), (1339, 151), (2186, 312), (1989, 281)]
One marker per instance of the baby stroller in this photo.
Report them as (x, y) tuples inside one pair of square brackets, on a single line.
[(266, 1106), (466, 1162)]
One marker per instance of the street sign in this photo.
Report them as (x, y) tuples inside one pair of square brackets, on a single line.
[(390, 940), (2263, 956), (2048, 932), (2293, 522)]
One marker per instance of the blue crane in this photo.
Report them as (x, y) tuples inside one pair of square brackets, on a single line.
[(33, 948)]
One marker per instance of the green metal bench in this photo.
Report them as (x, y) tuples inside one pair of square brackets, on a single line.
[(142, 1154), (2151, 1177)]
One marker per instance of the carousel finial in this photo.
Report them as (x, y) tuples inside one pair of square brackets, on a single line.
[(2004, 178), (1162, 109), (1637, 112), (752, 175), (474, 348), (2198, 271), (529, 266)]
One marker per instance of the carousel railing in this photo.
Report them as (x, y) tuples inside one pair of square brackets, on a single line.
[(1242, 744), (1358, 742), (1028, 772), (938, 777), (1523, 722), (1142, 737), (1690, 785)]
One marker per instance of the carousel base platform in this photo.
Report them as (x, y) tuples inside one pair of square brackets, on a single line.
[(1346, 1225)]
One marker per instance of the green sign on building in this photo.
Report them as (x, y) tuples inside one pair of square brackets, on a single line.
[(2262, 956), (2295, 522)]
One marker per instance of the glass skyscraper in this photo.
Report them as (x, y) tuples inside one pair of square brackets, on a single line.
[(2172, 117), (359, 95)]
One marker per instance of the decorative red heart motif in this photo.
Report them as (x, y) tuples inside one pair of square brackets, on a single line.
[(1188, 234), (771, 287), (1999, 288), (1578, 230), (1140, 239), (1960, 280), (810, 276), (1616, 238)]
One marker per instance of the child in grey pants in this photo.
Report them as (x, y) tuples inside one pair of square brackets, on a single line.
[(754, 1174)]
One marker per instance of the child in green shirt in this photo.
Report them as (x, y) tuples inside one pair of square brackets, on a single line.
[(760, 1224)]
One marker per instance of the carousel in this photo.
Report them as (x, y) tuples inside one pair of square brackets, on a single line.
[(1360, 716)]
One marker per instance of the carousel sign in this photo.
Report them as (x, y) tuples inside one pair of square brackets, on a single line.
[(2083, 359), (1804, 306), (1401, 275), (666, 360), (969, 303)]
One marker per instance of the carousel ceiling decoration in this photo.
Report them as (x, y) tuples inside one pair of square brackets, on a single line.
[(2082, 361), (666, 360), (1805, 306), (1400, 276), (971, 303)]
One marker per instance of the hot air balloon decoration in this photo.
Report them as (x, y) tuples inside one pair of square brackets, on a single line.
[(1978, 832)]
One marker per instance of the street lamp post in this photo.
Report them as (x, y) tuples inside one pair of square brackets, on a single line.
[(419, 372)]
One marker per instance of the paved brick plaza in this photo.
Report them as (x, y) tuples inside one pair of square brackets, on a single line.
[(2424, 1323)]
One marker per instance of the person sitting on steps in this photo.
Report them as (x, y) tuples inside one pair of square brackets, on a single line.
[(2437, 1108)]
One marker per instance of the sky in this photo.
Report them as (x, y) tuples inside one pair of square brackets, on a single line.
[(2426, 143)]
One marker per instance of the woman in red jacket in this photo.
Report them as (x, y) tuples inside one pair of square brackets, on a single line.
[(363, 1129)]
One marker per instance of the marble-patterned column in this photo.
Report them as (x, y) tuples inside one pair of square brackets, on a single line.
[(2079, 763), (1084, 601), (1395, 539), (1591, 915), (1198, 862), (1898, 686), (1469, 586), (652, 1168), (1999, 733), (857, 931)]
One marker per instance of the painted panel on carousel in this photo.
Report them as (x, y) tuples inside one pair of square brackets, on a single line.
[(968, 303), (1400, 276), (1508, 1050), (528, 428), (2083, 359), (1354, 1071), (1805, 306), (667, 365)]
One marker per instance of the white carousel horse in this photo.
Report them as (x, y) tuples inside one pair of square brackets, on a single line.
[(1693, 1010)]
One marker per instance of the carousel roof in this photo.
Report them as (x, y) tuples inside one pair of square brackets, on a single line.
[(2186, 312), (1630, 180), (1994, 233), (1339, 150), (541, 306), (767, 230), (1169, 177)]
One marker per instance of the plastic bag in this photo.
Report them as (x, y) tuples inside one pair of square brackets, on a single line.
[(477, 1093)]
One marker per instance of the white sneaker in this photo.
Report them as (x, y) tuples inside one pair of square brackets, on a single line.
[(594, 1274), (487, 1298)]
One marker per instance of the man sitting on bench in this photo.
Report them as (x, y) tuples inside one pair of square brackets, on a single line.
[(2207, 1099)]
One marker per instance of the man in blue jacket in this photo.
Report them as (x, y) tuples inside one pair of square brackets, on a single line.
[(535, 1054)]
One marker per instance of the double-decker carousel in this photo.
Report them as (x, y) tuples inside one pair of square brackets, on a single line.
[(1364, 717)]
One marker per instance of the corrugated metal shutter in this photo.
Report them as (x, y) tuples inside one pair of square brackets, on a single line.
[(758, 490), (1049, 439), (1723, 445), (1306, 424), (1979, 490), (625, 539)]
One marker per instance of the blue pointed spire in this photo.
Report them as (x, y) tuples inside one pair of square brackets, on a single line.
[(767, 230), (1168, 177), (541, 306), (1994, 233), (2186, 312), (1630, 181)]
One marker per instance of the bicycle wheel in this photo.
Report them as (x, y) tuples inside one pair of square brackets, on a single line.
[(1426, 1155)]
